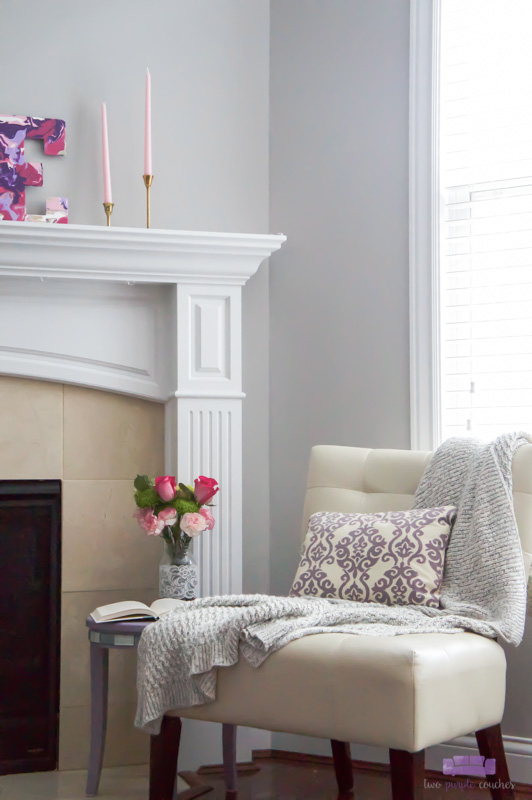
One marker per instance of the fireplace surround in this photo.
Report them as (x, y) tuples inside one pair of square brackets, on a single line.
[(151, 321)]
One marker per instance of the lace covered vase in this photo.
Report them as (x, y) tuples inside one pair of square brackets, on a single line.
[(178, 574)]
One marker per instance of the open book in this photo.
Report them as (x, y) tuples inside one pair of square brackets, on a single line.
[(130, 609)]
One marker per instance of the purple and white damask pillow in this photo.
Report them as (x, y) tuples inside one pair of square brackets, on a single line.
[(393, 557)]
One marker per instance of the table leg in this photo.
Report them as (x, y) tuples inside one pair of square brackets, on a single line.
[(99, 694), (229, 757)]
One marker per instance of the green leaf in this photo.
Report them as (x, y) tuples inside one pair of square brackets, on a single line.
[(148, 498), (142, 482), (188, 494)]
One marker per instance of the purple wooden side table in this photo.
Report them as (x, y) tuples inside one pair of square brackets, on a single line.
[(104, 636)]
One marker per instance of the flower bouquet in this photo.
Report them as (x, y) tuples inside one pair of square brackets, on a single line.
[(177, 513)]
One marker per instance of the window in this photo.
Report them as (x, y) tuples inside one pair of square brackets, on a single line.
[(473, 374)]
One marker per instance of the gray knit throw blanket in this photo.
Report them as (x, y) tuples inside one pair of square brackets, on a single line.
[(483, 590)]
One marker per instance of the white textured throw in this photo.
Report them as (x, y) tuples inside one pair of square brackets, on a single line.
[(483, 590)]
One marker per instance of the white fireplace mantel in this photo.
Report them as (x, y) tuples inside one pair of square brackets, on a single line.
[(151, 313), (90, 252)]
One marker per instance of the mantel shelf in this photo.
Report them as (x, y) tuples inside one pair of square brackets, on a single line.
[(139, 255)]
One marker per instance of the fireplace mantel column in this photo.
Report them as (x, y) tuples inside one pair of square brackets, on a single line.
[(204, 422)]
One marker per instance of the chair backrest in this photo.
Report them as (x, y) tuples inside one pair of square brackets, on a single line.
[(358, 480)]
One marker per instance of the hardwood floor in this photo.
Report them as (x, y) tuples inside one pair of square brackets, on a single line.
[(282, 778)]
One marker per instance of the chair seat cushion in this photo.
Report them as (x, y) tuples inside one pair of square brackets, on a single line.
[(406, 692)]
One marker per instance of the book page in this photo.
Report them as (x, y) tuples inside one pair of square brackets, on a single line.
[(124, 609), (166, 604)]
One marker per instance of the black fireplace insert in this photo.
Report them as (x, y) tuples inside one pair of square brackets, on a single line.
[(30, 606)]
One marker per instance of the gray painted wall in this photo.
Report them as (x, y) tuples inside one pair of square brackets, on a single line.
[(210, 92), (339, 286)]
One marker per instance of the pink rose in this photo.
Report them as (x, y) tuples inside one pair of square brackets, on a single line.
[(147, 520), (208, 517), (165, 486), (193, 523), (205, 488), (168, 516)]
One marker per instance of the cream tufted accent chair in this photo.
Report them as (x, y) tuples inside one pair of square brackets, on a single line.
[(405, 693)]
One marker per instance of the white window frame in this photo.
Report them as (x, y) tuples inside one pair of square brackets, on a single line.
[(424, 215)]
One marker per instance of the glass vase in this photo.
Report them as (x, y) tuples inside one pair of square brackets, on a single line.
[(178, 573)]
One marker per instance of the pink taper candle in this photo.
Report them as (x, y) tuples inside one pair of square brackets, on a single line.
[(147, 128), (107, 193)]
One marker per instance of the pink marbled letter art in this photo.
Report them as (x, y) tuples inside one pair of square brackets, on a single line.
[(15, 172)]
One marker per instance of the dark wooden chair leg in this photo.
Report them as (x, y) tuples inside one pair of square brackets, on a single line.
[(343, 769), (490, 745), (407, 770), (164, 750)]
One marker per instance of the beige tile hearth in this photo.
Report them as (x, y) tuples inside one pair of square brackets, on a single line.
[(75, 660), (31, 433), (103, 547), (117, 783), (111, 437), (120, 783), (124, 743)]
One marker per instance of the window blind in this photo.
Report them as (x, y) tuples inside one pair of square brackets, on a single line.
[(485, 227)]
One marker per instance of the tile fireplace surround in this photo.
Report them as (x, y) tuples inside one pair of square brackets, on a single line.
[(141, 315)]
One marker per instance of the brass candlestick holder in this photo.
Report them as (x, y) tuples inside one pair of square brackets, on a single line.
[(148, 180), (108, 207)]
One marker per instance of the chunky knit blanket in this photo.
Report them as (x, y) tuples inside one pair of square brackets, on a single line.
[(483, 590)]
